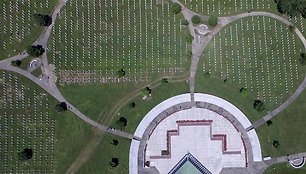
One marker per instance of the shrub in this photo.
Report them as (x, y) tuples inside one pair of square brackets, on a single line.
[(42, 20), (133, 105), (275, 144), (16, 63), (164, 80), (121, 73), (213, 20), (189, 38), (147, 91), (35, 50), (176, 8), (61, 107), (303, 58), (243, 92), (207, 74), (269, 122), (258, 105), (122, 122), (291, 28), (185, 22), (26, 154), (196, 19)]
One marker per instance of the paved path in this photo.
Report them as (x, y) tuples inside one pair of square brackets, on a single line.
[(50, 85), (197, 51)]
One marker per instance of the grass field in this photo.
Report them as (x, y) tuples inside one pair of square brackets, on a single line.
[(287, 128), (95, 100), (105, 150), (284, 168), (256, 53), (159, 94), (143, 37), (28, 120), (18, 29)]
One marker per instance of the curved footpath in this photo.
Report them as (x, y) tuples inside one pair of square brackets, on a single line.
[(197, 50)]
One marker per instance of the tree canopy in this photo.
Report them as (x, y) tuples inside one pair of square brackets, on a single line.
[(213, 20), (16, 63), (258, 105), (26, 154), (122, 122), (176, 8), (121, 73), (114, 162), (243, 91), (42, 20), (35, 50), (195, 19), (292, 7), (61, 107), (303, 58)]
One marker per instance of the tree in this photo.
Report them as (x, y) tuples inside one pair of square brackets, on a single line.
[(147, 91), (122, 122), (269, 122), (196, 19), (213, 20), (207, 74), (189, 38), (61, 107), (291, 7), (133, 105), (42, 20), (258, 105), (291, 28), (275, 144), (16, 63), (185, 22), (176, 8), (303, 58), (121, 73), (114, 162), (164, 80), (35, 50), (115, 142), (243, 92), (25, 155)]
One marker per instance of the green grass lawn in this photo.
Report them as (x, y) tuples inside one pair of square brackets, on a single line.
[(99, 162), (55, 138), (284, 168), (159, 94), (287, 128), (256, 53), (97, 100), (18, 29), (105, 150)]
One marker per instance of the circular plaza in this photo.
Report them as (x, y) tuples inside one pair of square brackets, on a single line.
[(206, 135)]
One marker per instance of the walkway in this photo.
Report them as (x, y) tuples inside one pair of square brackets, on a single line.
[(183, 102), (197, 51)]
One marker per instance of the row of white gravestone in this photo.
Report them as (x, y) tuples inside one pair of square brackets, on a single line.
[(254, 54), (19, 15), (101, 55), (18, 129), (227, 7)]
